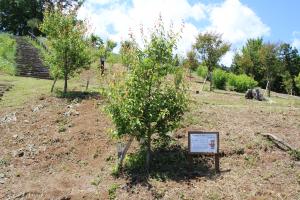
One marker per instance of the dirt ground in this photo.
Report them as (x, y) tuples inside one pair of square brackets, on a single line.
[(54, 148)]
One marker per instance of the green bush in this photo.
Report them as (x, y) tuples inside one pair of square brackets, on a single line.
[(7, 54), (241, 83), (202, 71), (298, 81), (219, 78)]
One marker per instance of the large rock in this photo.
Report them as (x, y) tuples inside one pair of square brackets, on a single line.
[(254, 94)]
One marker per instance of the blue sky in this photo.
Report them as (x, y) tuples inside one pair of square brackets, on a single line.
[(282, 16), (237, 20)]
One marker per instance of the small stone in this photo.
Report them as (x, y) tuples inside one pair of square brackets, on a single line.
[(38, 108), (42, 98), (71, 112), (8, 118), (26, 121), (2, 175), (18, 153), (2, 181), (15, 136)]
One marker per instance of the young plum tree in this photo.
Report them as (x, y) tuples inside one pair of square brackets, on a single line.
[(67, 45), (153, 98)]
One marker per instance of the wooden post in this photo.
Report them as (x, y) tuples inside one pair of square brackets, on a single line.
[(217, 163), (217, 158), (204, 82)]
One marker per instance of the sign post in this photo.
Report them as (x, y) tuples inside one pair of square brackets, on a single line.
[(205, 143)]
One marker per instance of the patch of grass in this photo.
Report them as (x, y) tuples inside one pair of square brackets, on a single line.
[(62, 129), (115, 171), (7, 54), (295, 154), (62, 124), (251, 160), (213, 196), (158, 194), (23, 90), (26, 89), (96, 181), (112, 191), (4, 162)]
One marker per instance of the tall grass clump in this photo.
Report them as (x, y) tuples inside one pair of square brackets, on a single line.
[(241, 83), (7, 54)]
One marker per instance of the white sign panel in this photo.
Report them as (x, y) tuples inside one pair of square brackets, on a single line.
[(203, 143)]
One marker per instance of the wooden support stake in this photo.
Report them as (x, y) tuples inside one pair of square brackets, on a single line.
[(120, 164), (217, 163), (204, 82)]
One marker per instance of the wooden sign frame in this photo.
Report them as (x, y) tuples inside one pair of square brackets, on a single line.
[(216, 155)]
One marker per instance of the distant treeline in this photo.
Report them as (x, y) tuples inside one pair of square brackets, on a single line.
[(20, 16), (276, 66)]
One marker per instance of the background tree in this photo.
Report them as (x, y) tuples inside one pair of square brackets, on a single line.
[(20, 16), (96, 41), (191, 61), (291, 65), (247, 62), (297, 80), (270, 65), (211, 48), (127, 52), (14, 15), (105, 50), (148, 102), (68, 48)]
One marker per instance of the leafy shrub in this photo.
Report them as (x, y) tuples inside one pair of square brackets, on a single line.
[(295, 154), (298, 81), (7, 54), (241, 83), (112, 191), (202, 71), (219, 78)]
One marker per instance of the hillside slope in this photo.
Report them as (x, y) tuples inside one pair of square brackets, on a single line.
[(55, 148)]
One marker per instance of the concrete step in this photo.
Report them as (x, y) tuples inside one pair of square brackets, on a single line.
[(28, 61)]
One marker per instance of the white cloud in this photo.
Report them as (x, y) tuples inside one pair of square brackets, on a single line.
[(227, 58), (113, 19), (122, 17), (296, 43), (296, 40), (236, 22)]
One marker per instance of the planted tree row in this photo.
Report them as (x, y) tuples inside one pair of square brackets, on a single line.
[(273, 66)]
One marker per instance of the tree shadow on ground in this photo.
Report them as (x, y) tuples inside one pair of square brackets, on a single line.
[(80, 95), (173, 163)]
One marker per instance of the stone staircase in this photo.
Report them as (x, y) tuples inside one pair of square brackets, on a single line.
[(28, 61)]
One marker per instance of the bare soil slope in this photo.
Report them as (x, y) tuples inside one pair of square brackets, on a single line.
[(52, 148)]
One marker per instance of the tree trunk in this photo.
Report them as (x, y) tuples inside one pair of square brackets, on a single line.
[(211, 81), (87, 84), (204, 82), (268, 89), (66, 83), (148, 156), (54, 82)]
